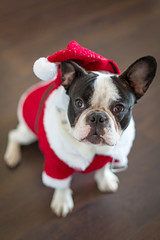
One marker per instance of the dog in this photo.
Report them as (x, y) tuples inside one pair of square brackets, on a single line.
[(86, 122)]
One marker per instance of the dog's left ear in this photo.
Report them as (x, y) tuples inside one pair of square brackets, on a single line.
[(140, 75), (69, 71)]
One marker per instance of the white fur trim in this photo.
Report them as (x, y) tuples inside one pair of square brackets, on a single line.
[(55, 183), (77, 154), (44, 69), (123, 147)]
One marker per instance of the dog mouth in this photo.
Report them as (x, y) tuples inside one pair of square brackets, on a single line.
[(95, 139)]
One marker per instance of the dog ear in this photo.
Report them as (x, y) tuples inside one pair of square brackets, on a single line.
[(69, 71), (140, 75)]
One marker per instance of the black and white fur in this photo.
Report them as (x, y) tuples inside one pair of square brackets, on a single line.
[(90, 113)]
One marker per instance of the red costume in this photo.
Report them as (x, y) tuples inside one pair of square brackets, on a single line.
[(32, 108)]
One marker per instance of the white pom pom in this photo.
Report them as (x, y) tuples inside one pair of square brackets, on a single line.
[(44, 69)]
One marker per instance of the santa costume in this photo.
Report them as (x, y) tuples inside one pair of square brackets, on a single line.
[(33, 103)]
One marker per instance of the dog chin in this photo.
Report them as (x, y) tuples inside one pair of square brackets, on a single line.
[(96, 140)]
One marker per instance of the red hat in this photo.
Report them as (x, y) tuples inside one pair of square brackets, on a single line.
[(47, 68)]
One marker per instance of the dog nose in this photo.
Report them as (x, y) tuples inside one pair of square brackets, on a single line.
[(97, 118)]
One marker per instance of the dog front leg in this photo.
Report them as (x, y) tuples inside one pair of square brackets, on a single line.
[(106, 180), (22, 135), (62, 201)]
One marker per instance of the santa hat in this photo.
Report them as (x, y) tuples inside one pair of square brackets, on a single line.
[(47, 68)]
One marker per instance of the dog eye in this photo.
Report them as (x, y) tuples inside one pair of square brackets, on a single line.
[(118, 108), (79, 103)]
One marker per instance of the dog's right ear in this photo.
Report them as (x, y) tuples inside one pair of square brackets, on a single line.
[(70, 71)]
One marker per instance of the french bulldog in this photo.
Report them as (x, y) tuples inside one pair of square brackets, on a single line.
[(87, 119)]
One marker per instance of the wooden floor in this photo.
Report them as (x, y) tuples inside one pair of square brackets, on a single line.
[(120, 30)]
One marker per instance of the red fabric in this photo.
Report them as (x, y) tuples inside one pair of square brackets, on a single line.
[(34, 104), (98, 162), (33, 112), (86, 58)]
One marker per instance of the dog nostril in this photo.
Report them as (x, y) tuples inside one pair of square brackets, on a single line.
[(101, 120), (92, 119), (97, 118)]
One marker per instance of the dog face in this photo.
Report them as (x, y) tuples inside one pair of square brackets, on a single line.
[(100, 106)]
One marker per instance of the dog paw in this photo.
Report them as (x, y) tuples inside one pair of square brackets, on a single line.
[(107, 181), (62, 202), (13, 154)]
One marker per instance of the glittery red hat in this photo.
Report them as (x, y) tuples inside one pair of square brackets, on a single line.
[(47, 68)]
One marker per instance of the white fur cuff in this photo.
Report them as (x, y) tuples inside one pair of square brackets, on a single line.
[(55, 183)]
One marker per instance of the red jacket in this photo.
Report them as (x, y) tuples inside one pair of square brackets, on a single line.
[(32, 109)]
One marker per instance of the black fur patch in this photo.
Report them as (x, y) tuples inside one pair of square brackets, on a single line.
[(82, 88), (127, 99)]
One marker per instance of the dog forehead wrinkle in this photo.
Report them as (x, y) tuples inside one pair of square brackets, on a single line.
[(105, 91)]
